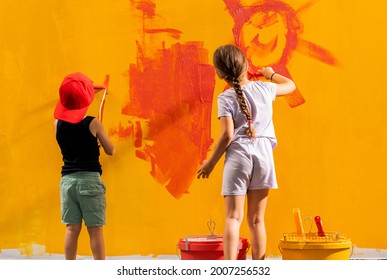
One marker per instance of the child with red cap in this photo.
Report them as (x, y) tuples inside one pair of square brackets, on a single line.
[(82, 192)]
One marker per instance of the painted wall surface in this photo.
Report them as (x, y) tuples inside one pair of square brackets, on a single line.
[(161, 114)]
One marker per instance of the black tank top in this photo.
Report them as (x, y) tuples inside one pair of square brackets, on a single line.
[(79, 146)]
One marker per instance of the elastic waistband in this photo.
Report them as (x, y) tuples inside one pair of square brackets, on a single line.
[(83, 175)]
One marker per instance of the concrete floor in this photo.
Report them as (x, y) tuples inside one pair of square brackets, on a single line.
[(39, 254)]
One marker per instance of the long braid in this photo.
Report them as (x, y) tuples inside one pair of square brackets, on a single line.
[(230, 63), (250, 131)]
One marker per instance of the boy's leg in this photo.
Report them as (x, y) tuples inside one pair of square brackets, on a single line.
[(71, 240), (97, 243), (256, 207), (234, 216)]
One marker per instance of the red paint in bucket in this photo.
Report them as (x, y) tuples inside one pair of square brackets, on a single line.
[(208, 248)]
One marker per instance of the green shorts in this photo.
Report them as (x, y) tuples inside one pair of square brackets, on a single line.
[(82, 196)]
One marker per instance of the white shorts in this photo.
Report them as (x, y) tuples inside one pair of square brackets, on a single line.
[(248, 166)]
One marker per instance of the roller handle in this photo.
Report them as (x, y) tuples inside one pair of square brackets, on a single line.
[(320, 231)]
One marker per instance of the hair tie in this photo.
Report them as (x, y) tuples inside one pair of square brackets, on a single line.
[(271, 77), (250, 122)]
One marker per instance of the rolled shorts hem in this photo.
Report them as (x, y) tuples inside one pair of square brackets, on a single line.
[(250, 189), (86, 224)]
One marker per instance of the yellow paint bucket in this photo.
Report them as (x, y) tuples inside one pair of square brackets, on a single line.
[(310, 246)]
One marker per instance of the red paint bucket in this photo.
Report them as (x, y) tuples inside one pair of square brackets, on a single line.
[(208, 248)]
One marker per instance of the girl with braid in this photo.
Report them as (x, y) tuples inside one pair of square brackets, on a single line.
[(247, 138)]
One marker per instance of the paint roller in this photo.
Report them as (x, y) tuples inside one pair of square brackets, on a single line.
[(103, 87)]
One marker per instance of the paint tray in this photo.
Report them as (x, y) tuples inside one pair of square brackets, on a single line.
[(312, 237)]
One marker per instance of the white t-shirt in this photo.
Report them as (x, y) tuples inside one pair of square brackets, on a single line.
[(259, 99)]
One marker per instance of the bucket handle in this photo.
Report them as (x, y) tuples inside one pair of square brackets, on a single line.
[(177, 251), (309, 223), (211, 226)]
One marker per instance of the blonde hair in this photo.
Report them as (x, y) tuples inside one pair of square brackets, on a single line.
[(230, 63)]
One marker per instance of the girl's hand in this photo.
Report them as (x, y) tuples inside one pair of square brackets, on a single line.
[(205, 170), (266, 71)]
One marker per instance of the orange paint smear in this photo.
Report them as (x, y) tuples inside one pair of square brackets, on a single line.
[(173, 92)]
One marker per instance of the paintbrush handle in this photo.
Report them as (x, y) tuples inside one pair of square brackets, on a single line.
[(298, 221), (320, 231)]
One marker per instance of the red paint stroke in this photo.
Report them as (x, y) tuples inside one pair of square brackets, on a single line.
[(316, 52), (138, 135), (122, 131), (269, 12), (174, 33), (306, 6), (148, 7), (173, 92)]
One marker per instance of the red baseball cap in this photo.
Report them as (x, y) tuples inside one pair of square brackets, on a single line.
[(75, 96)]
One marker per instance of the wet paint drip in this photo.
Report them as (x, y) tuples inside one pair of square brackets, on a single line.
[(269, 33)]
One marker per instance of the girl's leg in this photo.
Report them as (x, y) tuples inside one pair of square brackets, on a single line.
[(257, 200), (71, 240), (234, 216), (97, 243)]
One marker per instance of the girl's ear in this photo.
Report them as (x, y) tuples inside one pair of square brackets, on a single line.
[(247, 66)]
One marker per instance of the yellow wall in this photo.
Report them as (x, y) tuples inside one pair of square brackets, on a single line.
[(331, 154)]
